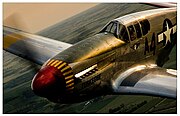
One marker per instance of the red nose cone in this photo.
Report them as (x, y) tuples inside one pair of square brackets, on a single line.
[(48, 82)]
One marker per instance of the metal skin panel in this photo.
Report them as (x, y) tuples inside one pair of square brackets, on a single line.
[(146, 79), (113, 55), (90, 47)]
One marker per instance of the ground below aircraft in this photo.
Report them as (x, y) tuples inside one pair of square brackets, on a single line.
[(125, 57)]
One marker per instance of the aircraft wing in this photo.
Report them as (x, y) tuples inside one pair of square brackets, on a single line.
[(146, 79), (29, 46), (163, 4)]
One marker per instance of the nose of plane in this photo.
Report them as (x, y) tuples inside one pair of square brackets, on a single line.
[(54, 80)]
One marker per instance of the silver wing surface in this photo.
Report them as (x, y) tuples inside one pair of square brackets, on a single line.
[(146, 79), (163, 4), (29, 46)]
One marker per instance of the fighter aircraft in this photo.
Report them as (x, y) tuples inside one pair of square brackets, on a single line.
[(125, 57)]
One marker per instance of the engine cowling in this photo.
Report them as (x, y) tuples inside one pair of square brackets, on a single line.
[(54, 81)]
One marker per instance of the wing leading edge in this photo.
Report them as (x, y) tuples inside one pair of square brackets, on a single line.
[(148, 80), (163, 4), (29, 46)]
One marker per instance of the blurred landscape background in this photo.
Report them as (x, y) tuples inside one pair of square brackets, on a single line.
[(18, 73)]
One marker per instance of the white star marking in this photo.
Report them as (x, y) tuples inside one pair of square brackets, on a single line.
[(167, 33)]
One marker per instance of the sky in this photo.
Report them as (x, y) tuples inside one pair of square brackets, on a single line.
[(34, 17)]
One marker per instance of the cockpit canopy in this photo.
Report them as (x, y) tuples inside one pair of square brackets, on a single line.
[(128, 33), (117, 29)]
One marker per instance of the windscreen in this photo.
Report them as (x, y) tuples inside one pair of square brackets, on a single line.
[(118, 30), (112, 28)]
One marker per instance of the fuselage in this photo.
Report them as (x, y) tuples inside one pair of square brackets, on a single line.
[(86, 69)]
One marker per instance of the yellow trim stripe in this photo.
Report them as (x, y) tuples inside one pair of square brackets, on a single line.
[(67, 67), (70, 85), (54, 62), (50, 62), (69, 81), (61, 65), (9, 39), (58, 63), (68, 77), (66, 73)]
